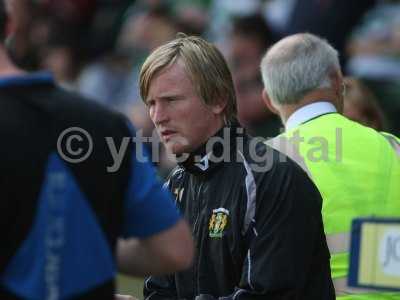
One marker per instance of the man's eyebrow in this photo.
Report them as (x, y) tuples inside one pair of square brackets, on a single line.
[(176, 96), (165, 97)]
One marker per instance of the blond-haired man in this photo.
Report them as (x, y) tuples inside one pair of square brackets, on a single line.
[(256, 221)]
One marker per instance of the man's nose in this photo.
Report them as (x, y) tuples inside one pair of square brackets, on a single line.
[(159, 113)]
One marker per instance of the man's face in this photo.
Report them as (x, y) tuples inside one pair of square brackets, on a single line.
[(182, 120)]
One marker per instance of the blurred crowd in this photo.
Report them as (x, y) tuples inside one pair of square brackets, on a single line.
[(96, 48)]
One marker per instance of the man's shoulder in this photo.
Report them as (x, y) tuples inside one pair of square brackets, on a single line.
[(177, 172), (69, 109), (264, 156), (174, 177), (73, 102), (49, 101)]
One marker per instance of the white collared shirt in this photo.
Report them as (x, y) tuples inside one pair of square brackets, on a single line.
[(309, 112)]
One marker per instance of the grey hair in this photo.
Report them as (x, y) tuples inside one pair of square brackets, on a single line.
[(297, 65)]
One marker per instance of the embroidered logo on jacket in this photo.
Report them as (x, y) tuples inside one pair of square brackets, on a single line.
[(218, 222), (178, 192)]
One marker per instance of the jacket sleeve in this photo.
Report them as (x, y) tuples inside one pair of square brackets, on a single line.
[(283, 235), (160, 288)]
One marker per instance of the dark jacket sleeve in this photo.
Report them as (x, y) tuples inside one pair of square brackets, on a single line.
[(286, 240), (160, 288)]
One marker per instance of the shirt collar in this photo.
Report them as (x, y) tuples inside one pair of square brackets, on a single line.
[(309, 112)]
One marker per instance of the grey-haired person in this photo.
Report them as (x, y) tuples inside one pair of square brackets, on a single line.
[(356, 168)]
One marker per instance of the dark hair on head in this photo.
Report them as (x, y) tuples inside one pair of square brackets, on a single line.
[(3, 20), (254, 26)]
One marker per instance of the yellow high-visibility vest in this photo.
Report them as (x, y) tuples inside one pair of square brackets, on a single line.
[(357, 171)]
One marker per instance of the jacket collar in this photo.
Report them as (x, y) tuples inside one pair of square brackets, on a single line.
[(218, 149)]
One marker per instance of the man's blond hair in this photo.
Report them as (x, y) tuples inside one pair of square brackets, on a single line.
[(204, 64)]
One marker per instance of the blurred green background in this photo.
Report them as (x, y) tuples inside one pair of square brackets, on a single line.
[(130, 286)]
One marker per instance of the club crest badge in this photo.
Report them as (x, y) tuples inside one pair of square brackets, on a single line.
[(218, 222)]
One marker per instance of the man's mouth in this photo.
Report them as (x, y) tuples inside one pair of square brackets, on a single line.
[(166, 134)]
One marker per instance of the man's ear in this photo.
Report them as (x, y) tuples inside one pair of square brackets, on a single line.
[(336, 80), (219, 107), (339, 88), (268, 102)]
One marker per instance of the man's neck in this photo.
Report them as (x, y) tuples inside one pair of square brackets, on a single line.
[(7, 67), (287, 110)]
